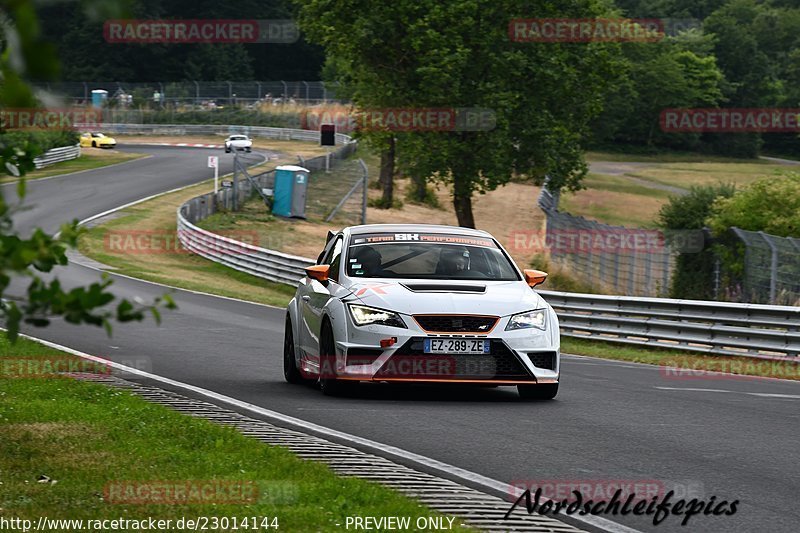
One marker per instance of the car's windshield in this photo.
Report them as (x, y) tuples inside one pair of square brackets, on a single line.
[(427, 256), (238, 138)]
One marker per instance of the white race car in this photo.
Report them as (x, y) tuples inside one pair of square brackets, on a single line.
[(238, 142), (420, 303)]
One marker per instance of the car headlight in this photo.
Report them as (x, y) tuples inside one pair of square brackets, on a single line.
[(363, 315), (531, 319)]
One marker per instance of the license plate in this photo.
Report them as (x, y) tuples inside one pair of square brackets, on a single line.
[(456, 346)]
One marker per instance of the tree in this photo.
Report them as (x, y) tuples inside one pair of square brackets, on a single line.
[(29, 256), (458, 55), (771, 205), (677, 72), (694, 269), (365, 57)]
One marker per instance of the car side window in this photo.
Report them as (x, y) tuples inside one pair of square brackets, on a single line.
[(333, 258)]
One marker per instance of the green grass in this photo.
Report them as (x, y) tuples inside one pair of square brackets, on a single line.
[(88, 160), (172, 266), (679, 358), (685, 175), (662, 157), (85, 436), (607, 182)]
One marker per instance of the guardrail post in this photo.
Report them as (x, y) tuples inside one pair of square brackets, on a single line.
[(773, 271), (235, 180), (364, 192)]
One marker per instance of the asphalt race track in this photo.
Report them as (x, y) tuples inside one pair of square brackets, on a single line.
[(733, 439)]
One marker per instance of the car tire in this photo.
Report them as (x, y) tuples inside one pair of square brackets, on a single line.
[(328, 384), (227, 150), (94, 144), (290, 371), (249, 150), (546, 391)]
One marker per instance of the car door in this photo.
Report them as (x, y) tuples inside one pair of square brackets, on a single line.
[(313, 295)]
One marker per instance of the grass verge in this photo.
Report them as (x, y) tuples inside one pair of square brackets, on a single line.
[(693, 364), (89, 159), (615, 200), (76, 450), (159, 258), (178, 269)]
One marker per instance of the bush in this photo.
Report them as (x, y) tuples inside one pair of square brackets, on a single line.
[(694, 272), (39, 141), (771, 205)]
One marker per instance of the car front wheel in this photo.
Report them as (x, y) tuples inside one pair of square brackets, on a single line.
[(328, 383), (546, 391)]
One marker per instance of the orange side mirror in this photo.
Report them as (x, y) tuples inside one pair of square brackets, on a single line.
[(534, 277), (318, 272)]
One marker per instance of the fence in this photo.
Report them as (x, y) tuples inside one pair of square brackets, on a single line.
[(202, 93), (223, 130), (329, 194), (771, 267), (720, 328), (57, 155), (637, 273)]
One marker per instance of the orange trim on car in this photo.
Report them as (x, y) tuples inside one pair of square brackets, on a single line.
[(431, 380)]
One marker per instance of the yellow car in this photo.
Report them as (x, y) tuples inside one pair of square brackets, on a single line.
[(98, 140)]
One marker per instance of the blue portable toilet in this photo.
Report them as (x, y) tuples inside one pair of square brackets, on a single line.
[(99, 96), (289, 194)]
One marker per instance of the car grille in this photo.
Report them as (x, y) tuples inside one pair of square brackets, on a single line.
[(543, 360), (456, 323), (410, 362)]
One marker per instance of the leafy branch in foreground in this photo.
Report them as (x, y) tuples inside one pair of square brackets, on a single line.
[(33, 257), (26, 257)]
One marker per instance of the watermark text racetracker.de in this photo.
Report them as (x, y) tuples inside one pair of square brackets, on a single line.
[(651, 498), (612, 241), (169, 241), (738, 368), (442, 119), (730, 120), (49, 118), (191, 31), (584, 30)]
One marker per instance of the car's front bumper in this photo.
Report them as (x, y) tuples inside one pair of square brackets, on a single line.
[(515, 357)]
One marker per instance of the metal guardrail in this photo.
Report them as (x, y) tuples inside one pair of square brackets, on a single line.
[(261, 262), (718, 328), (57, 155), (284, 134), (267, 264)]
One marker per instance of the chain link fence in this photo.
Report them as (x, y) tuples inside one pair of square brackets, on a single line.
[(771, 268), (336, 193), (201, 94), (612, 259)]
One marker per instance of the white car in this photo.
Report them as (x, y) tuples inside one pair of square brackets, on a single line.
[(238, 142), (420, 303)]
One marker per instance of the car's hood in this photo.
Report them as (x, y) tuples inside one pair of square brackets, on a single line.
[(447, 296)]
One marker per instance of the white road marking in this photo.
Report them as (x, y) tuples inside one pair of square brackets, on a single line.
[(768, 395), (693, 389), (760, 394)]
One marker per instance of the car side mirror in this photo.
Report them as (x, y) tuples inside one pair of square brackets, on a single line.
[(318, 272), (534, 277)]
